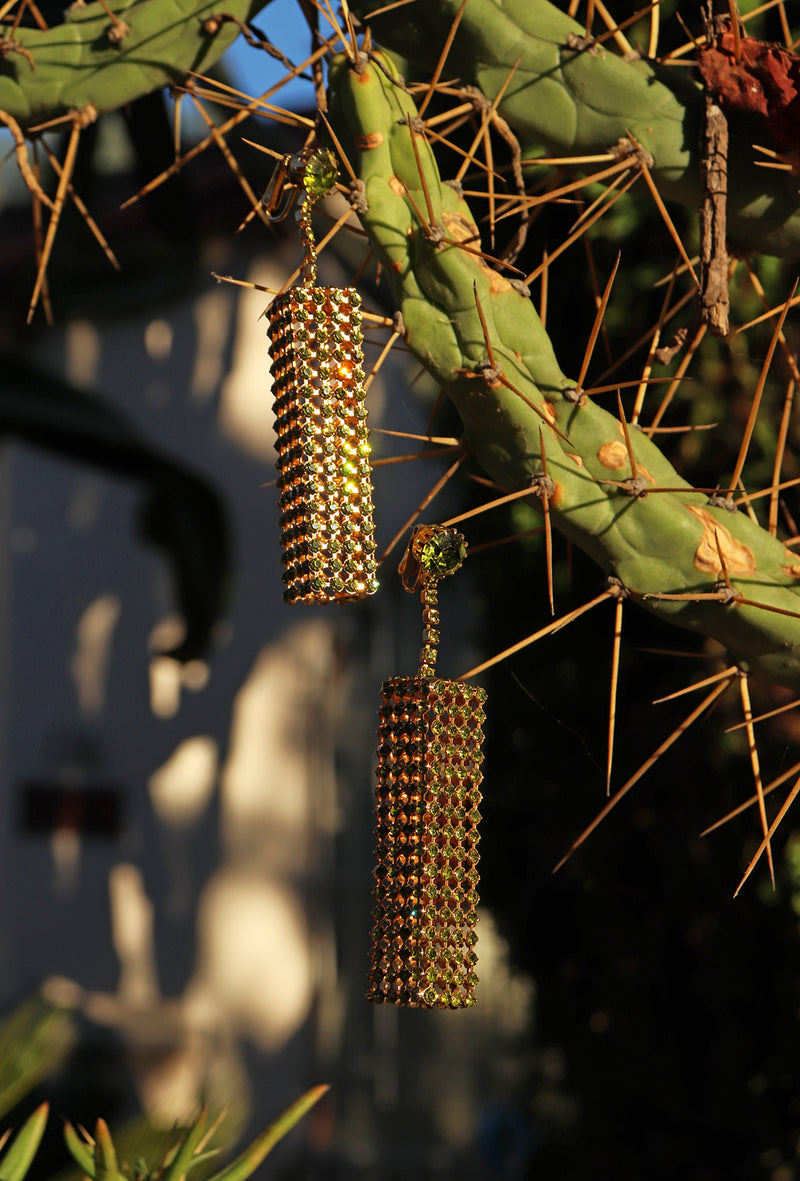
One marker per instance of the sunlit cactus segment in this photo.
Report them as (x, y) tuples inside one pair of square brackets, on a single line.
[(85, 62), (572, 95), (646, 527)]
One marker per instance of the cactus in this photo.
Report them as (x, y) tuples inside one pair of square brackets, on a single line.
[(481, 338), (101, 61), (577, 98)]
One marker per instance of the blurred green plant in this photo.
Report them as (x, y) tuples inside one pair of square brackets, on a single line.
[(97, 1156), (34, 1040)]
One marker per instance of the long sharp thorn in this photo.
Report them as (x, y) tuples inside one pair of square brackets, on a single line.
[(762, 378), (251, 107), (683, 365), (440, 440), (651, 352), (726, 674), (625, 178), (351, 30), (555, 626), (668, 222), (773, 786), (435, 490), (490, 193), (548, 527), (504, 381), (58, 205), (780, 709), (612, 703), (598, 320), (488, 115), (751, 743), (36, 210), (652, 43), (437, 73), (326, 11), (765, 844), (705, 704), (376, 368), (789, 356), (339, 149), (627, 436), (765, 316), (484, 508), (571, 186), (230, 159), (587, 245), (487, 340), (84, 212), (388, 8), (614, 30), (571, 238), (543, 287), (722, 564), (388, 460)]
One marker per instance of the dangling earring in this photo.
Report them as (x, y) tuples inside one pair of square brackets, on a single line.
[(327, 532), (429, 775)]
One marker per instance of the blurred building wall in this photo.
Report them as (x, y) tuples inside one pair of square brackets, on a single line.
[(220, 922)]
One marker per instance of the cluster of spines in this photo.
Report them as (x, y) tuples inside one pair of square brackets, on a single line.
[(428, 794), (327, 531)]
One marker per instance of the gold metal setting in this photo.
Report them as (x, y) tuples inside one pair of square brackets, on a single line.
[(327, 532), (428, 795), (427, 818), (316, 346)]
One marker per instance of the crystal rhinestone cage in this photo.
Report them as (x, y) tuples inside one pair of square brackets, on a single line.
[(429, 775), (327, 533)]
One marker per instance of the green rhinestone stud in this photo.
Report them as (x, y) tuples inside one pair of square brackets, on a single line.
[(442, 553), (433, 552), (316, 172)]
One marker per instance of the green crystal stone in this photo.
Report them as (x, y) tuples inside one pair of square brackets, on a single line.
[(320, 173), (442, 553)]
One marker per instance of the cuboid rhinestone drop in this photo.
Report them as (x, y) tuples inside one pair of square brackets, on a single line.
[(322, 444), (428, 794)]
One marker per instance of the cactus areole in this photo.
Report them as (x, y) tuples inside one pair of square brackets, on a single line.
[(740, 583)]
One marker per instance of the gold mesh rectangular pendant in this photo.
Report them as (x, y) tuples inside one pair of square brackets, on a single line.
[(429, 775), (327, 533)]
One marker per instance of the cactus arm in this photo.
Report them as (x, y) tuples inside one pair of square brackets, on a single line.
[(662, 543), (574, 101), (75, 63)]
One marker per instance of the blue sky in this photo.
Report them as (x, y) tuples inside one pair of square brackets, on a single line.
[(254, 71)]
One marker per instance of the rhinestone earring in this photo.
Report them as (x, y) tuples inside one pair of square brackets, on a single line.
[(429, 775), (322, 444)]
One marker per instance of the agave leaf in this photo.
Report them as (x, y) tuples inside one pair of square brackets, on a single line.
[(182, 1161), (251, 1158), (34, 1040), (105, 1156), (18, 1157), (79, 1150)]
